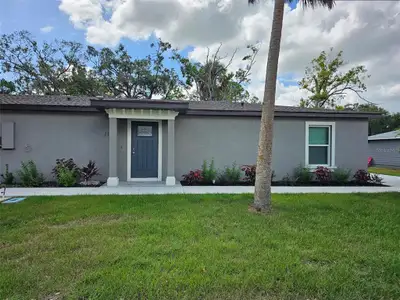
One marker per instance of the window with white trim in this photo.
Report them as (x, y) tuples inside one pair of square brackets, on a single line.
[(320, 144)]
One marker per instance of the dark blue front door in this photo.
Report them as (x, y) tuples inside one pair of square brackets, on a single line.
[(144, 162)]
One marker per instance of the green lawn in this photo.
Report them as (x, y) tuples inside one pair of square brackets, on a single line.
[(312, 246), (385, 171)]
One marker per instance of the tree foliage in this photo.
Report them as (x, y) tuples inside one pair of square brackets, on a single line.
[(7, 87), (68, 68), (387, 122), (83, 81), (38, 68), (327, 84), (136, 78), (212, 79)]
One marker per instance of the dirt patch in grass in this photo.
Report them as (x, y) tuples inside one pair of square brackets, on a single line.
[(95, 220), (55, 296)]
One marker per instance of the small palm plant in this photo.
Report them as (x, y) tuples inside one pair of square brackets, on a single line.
[(89, 171)]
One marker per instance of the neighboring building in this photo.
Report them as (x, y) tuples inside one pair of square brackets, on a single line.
[(384, 148), (158, 140)]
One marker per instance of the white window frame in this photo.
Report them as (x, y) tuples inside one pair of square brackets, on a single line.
[(332, 148)]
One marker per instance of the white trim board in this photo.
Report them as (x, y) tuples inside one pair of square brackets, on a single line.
[(143, 114), (129, 149), (332, 137)]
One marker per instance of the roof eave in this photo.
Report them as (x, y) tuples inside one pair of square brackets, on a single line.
[(383, 139), (183, 107), (54, 108), (139, 104), (294, 114)]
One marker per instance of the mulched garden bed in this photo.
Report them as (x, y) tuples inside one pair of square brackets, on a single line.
[(283, 183), (53, 184)]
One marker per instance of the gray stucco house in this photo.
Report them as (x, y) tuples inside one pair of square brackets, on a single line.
[(158, 140), (384, 148)]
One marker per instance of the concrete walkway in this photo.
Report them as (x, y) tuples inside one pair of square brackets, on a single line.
[(143, 190), (390, 180)]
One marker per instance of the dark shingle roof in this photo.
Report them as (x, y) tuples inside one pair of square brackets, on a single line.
[(45, 100), (222, 106), (233, 106)]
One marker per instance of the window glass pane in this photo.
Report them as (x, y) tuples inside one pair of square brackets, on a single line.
[(318, 155), (318, 135), (144, 131)]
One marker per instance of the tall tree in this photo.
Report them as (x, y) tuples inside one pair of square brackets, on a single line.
[(82, 80), (327, 84), (262, 194), (212, 80), (144, 78), (66, 68), (38, 68)]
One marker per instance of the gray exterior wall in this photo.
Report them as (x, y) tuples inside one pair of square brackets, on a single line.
[(385, 152), (352, 144), (44, 137), (229, 139)]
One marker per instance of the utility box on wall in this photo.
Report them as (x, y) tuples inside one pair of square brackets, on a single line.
[(7, 135)]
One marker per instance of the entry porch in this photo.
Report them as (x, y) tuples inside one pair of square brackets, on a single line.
[(141, 146)]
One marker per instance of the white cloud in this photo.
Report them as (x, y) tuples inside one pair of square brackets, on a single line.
[(47, 29), (368, 34)]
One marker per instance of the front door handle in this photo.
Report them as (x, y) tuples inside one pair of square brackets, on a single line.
[(133, 150)]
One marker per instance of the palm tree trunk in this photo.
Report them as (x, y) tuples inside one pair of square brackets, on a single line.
[(262, 194)]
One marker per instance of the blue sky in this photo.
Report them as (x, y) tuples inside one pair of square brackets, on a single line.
[(32, 15)]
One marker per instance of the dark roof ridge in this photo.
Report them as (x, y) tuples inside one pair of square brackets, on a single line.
[(220, 107)]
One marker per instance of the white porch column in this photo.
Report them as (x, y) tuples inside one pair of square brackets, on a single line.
[(113, 179), (170, 180)]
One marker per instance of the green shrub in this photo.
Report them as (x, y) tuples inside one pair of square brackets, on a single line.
[(302, 174), (230, 175), (208, 172), (65, 163), (8, 177), (66, 177), (341, 175), (30, 175)]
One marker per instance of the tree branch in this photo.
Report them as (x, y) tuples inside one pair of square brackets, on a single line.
[(231, 59), (357, 92)]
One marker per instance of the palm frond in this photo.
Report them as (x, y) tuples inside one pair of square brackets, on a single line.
[(308, 3), (313, 3)]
